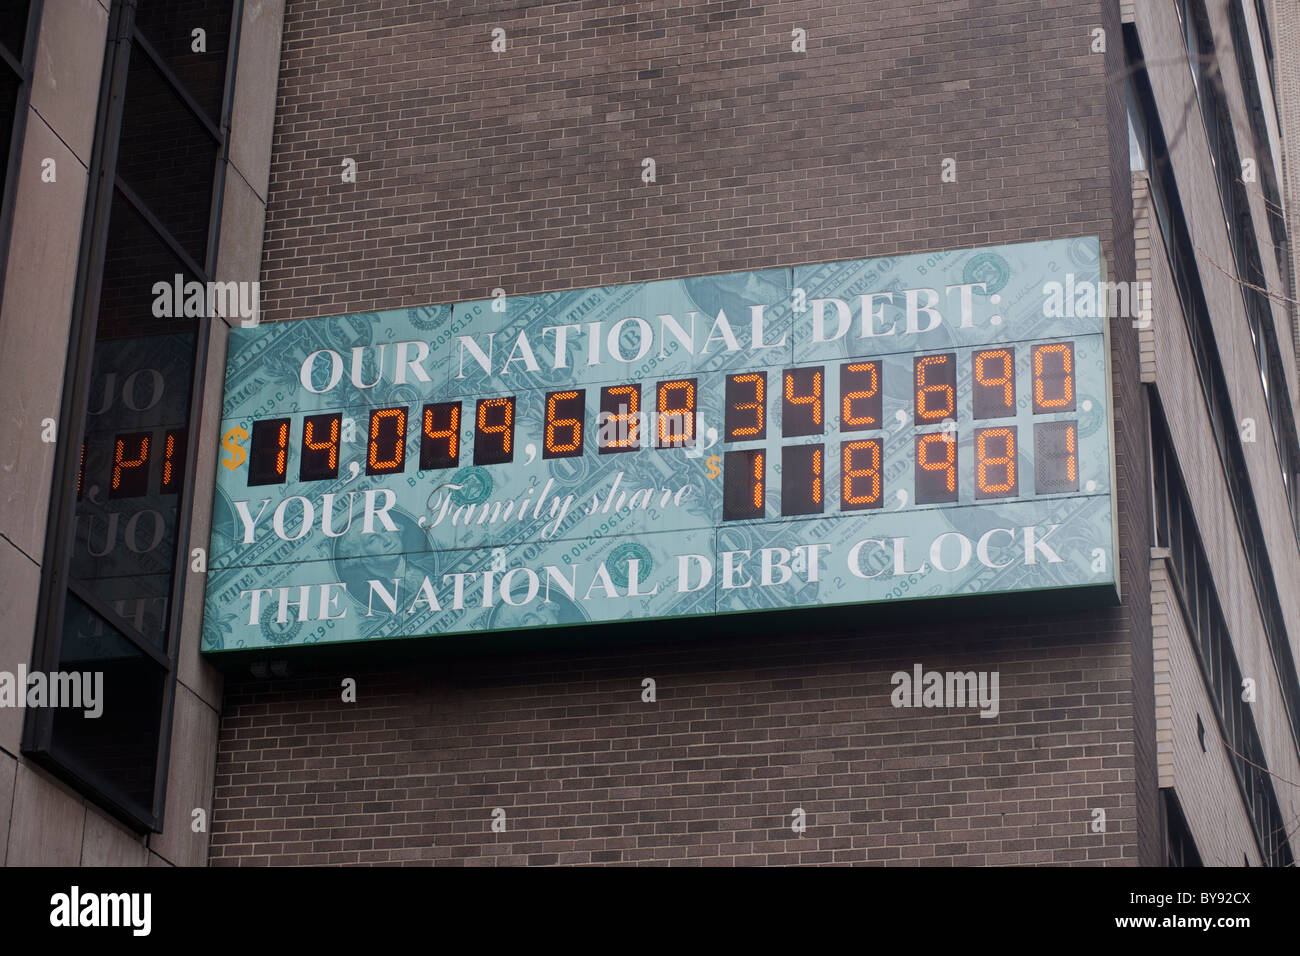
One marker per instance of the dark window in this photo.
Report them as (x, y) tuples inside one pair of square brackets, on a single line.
[(1180, 848)]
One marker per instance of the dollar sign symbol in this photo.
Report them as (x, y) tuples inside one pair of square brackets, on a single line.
[(712, 466), (230, 442)]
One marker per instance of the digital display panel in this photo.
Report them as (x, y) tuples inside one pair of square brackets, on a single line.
[(620, 419), (268, 455), (1056, 457), (744, 487), (993, 382), (891, 455), (494, 431), (936, 388), (803, 474), (130, 465), (386, 450), (440, 436), (319, 458), (745, 405), (862, 397), (803, 405), (565, 412)]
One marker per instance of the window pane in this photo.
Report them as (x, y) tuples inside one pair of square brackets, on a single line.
[(13, 26), (169, 27), (167, 157), (1137, 132), (117, 750), (139, 394)]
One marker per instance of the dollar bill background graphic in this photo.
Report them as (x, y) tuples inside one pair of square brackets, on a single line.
[(600, 531)]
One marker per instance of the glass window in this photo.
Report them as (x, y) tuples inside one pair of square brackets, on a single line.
[(198, 61), (1137, 133), (167, 157), (13, 27)]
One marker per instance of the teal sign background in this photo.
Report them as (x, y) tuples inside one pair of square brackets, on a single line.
[(643, 555)]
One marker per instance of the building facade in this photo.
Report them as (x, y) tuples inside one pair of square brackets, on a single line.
[(357, 158)]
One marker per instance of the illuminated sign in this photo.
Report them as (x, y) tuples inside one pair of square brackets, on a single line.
[(844, 433)]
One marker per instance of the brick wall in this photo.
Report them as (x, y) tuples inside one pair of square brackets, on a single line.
[(522, 170)]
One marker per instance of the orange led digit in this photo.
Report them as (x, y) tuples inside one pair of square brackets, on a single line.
[(1056, 457), (801, 408), (993, 374), (1053, 378), (995, 458), (746, 401), (860, 481), (936, 388), (440, 436), (620, 419), (743, 484), (320, 447), (676, 408), (268, 458), (936, 468), (494, 431), (130, 468), (801, 479), (387, 429), (563, 438), (860, 396), (173, 448)]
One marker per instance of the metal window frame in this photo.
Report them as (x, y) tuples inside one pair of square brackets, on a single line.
[(25, 69), (123, 41)]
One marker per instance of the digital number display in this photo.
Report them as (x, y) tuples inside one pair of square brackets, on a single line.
[(440, 436), (746, 407), (861, 482), (802, 479), (268, 456), (744, 484), (494, 431), (386, 449), (320, 447), (936, 388), (563, 425), (1056, 457), (993, 383), (675, 405), (620, 419), (937, 476), (995, 463), (1053, 377), (130, 465), (803, 405), (861, 397), (173, 470), (936, 467)]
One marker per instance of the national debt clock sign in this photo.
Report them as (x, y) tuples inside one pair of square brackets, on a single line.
[(918, 427)]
